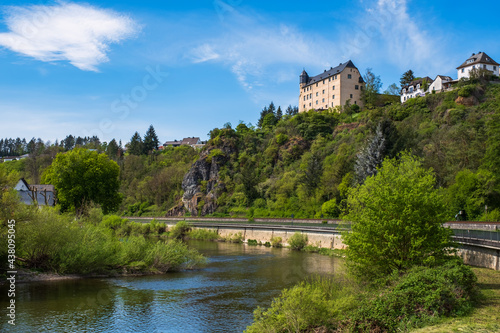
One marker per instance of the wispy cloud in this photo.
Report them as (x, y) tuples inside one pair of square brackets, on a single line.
[(255, 49), (80, 34), (388, 31)]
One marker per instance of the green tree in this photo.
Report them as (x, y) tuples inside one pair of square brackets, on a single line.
[(396, 218), (406, 78), (372, 87), (81, 177), (151, 141), (112, 149), (135, 146), (393, 89)]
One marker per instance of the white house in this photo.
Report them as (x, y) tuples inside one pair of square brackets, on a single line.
[(415, 88), (440, 83), (478, 61)]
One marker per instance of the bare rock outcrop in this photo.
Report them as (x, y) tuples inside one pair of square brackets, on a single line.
[(202, 185)]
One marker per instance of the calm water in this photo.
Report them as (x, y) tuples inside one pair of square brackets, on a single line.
[(220, 297)]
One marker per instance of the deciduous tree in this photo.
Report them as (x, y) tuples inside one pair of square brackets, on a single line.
[(81, 177), (396, 218)]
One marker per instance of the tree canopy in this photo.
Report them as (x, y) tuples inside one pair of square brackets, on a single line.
[(396, 218), (406, 78), (372, 87), (81, 177)]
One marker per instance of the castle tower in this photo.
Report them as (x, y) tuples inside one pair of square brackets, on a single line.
[(304, 78)]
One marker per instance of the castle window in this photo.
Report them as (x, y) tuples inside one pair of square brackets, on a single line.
[(323, 100), (304, 89), (324, 81), (304, 98), (316, 102), (304, 106), (317, 94), (316, 84), (329, 79), (349, 76), (333, 96), (356, 87), (351, 95), (323, 91), (355, 102), (333, 88)]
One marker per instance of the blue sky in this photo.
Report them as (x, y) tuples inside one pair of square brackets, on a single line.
[(110, 68)]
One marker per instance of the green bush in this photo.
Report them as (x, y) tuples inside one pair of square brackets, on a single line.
[(276, 242), (467, 90), (234, 238), (203, 234), (180, 230), (298, 241), (252, 242), (112, 222)]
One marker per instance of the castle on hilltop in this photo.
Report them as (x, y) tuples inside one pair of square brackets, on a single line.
[(334, 87)]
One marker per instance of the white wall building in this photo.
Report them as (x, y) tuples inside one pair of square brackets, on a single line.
[(478, 61), (415, 88), (440, 83)]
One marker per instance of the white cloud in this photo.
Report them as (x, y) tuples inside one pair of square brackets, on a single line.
[(255, 50), (80, 34), (389, 32)]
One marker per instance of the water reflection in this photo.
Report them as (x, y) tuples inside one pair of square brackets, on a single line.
[(220, 297)]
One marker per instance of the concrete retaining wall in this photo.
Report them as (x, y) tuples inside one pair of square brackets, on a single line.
[(480, 256)]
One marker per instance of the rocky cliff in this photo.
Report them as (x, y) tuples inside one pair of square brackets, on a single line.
[(202, 185)]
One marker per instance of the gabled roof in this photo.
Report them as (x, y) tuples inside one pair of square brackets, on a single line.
[(444, 77), (480, 58), (190, 141), (332, 71), (418, 81)]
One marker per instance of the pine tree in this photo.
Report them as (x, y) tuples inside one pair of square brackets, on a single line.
[(151, 141), (279, 113), (135, 146), (370, 157), (406, 78)]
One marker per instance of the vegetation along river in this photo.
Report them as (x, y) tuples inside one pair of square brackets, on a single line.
[(219, 297)]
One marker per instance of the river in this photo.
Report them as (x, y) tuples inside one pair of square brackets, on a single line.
[(219, 297)]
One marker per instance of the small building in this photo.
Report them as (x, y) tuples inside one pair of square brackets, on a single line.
[(41, 195), (333, 87), (416, 88), (194, 142), (441, 83), (478, 61)]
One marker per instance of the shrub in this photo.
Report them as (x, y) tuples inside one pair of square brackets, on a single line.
[(234, 238), (173, 255), (203, 234), (180, 230), (267, 244), (276, 242), (112, 222), (252, 242), (298, 241), (467, 90)]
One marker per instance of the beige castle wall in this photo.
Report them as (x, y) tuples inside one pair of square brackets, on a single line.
[(344, 87)]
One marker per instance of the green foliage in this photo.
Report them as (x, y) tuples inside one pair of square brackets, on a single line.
[(234, 238), (180, 230), (419, 297), (203, 234), (298, 241), (276, 242), (113, 222), (252, 242), (397, 218), (330, 208), (466, 90), (82, 177)]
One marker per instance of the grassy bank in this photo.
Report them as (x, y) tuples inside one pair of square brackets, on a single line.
[(486, 315)]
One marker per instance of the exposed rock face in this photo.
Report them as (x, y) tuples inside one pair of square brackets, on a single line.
[(202, 183), (467, 101)]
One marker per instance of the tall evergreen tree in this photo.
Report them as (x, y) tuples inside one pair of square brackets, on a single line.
[(151, 141), (279, 113), (112, 149), (135, 146), (370, 157), (406, 78)]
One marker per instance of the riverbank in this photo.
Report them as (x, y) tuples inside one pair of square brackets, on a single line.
[(486, 315)]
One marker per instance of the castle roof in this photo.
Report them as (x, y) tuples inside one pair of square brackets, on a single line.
[(332, 71), (480, 58)]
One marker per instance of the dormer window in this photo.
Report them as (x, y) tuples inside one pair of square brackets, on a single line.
[(418, 86), (411, 89), (404, 90)]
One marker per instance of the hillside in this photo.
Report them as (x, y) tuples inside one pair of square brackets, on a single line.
[(305, 164)]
